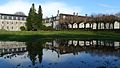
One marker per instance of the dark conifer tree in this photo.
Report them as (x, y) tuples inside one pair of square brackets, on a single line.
[(34, 20), (29, 23), (31, 19), (39, 17)]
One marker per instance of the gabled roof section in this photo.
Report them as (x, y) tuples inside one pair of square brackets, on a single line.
[(13, 15)]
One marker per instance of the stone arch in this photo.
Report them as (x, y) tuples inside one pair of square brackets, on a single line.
[(81, 25), (75, 25), (116, 25), (69, 25), (94, 25), (102, 25), (87, 25), (107, 25)]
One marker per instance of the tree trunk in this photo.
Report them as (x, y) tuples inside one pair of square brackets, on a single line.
[(104, 26), (109, 25), (97, 26), (66, 26), (100, 25), (92, 26), (84, 25), (119, 25), (72, 25), (113, 26), (78, 25)]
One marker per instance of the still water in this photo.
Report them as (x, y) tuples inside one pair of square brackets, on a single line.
[(60, 53)]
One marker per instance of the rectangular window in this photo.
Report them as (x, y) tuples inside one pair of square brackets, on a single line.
[(7, 22), (2, 17), (7, 27), (5, 17), (14, 18), (12, 27), (10, 18), (2, 22), (18, 18), (20, 22), (11, 22), (23, 18)]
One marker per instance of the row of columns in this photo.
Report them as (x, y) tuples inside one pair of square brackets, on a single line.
[(94, 42), (91, 25), (105, 26), (86, 43)]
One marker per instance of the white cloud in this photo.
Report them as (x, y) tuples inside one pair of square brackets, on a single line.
[(106, 5), (49, 8), (13, 6)]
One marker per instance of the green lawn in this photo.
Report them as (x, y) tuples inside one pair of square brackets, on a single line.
[(34, 35)]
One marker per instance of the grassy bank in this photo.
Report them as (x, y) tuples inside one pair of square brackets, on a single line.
[(35, 35)]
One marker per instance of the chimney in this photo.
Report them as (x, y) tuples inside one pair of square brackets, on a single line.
[(92, 16), (76, 14), (86, 15), (58, 13), (73, 13)]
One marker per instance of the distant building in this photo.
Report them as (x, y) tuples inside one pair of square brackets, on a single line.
[(12, 22), (52, 21), (76, 21)]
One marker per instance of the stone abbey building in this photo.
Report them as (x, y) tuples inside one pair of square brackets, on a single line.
[(75, 21), (12, 22)]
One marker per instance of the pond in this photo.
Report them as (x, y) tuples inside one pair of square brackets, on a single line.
[(60, 53)]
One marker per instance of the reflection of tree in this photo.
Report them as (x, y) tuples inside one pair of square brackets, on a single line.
[(34, 49), (63, 46)]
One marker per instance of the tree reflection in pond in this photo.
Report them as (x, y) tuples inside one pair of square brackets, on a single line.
[(34, 49)]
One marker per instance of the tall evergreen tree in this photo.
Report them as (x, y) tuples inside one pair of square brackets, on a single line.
[(31, 19), (34, 20), (39, 17), (29, 23)]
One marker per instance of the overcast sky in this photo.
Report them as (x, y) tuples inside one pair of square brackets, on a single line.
[(50, 7)]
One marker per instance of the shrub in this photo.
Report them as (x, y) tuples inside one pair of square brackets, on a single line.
[(3, 30), (48, 28), (22, 28)]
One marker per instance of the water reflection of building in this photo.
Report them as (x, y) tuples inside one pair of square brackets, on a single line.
[(11, 46), (34, 50), (31, 50), (103, 47), (90, 46)]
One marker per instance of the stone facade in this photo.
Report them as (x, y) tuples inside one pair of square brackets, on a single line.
[(52, 21), (77, 21), (12, 22)]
